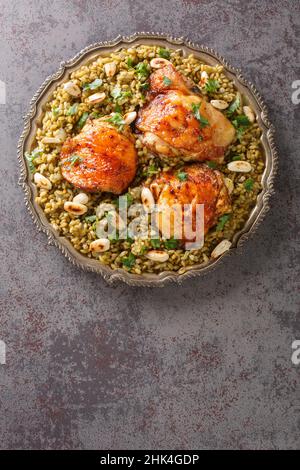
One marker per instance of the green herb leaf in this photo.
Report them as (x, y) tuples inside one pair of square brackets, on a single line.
[(211, 164), (30, 157), (90, 218), (114, 239), (92, 86), (234, 106), (117, 120), (196, 111), (142, 70), (182, 176), (248, 184), (81, 122), (164, 53), (72, 109), (152, 169), (155, 242), (200, 138), (241, 123), (242, 120), (130, 240), (167, 81), (129, 261), (144, 86), (211, 86), (130, 62), (171, 244), (236, 158), (222, 221), (119, 95), (55, 111)]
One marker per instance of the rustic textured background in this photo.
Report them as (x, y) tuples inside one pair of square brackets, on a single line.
[(205, 365)]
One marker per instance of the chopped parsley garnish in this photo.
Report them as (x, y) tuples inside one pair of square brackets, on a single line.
[(55, 111), (211, 164), (130, 62), (30, 157), (92, 86), (196, 111), (248, 184), (171, 244), (144, 86), (236, 158), (211, 86), (234, 106), (72, 109), (90, 218), (182, 176), (142, 70), (164, 53), (129, 240), (117, 120), (167, 81), (119, 95), (81, 122), (241, 123), (152, 169), (222, 221), (114, 239), (155, 242), (200, 138), (129, 261)]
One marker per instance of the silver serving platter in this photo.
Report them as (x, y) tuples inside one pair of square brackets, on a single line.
[(34, 117)]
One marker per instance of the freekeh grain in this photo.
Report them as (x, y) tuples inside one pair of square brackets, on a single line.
[(125, 92)]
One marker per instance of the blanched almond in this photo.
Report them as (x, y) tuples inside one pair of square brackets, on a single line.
[(249, 113), (96, 98), (110, 69), (223, 246), (81, 198), (239, 166), (158, 256), (72, 89), (159, 62), (229, 185), (75, 208), (129, 117), (41, 181), (51, 140), (100, 245), (219, 104), (147, 199)]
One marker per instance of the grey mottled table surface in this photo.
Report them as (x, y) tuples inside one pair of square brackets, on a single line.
[(205, 365)]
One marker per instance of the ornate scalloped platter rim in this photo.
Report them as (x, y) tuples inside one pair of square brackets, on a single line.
[(87, 55)]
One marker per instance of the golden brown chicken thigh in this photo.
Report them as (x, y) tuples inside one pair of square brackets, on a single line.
[(198, 185), (99, 158), (177, 121)]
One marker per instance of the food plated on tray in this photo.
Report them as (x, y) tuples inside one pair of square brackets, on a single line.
[(159, 128)]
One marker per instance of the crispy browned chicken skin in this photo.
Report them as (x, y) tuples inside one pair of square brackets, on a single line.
[(202, 185), (99, 158), (169, 121)]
